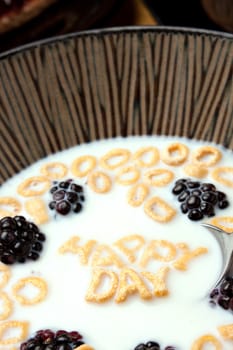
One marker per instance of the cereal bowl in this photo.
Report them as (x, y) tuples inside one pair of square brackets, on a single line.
[(143, 116)]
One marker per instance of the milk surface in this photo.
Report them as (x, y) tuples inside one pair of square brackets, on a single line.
[(177, 319)]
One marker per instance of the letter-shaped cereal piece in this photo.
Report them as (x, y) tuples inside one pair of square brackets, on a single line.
[(146, 157), (152, 252), (9, 206), (137, 286), (34, 186), (158, 281), (175, 154), (37, 282), (138, 241), (213, 154), (99, 182), (83, 165), (54, 170), (206, 339), (8, 325), (71, 246), (105, 256), (7, 306), (181, 262), (115, 158), (155, 205), (137, 194), (97, 279), (226, 331), (37, 209)]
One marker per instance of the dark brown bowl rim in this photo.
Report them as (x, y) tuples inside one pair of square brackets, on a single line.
[(115, 30)]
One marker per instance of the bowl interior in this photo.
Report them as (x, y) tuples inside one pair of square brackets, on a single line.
[(114, 83)]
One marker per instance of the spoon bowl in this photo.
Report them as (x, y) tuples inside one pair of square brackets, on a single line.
[(225, 241)]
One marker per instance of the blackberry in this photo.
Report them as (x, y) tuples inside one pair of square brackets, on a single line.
[(195, 215), (198, 199), (20, 240), (67, 196), (49, 340), (151, 345), (223, 294)]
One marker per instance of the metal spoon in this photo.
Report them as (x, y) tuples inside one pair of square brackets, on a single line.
[(225, 241)]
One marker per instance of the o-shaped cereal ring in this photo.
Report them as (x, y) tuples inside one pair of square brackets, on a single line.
[(127, 176), (154, 205), (5, 326), (99, 182), (34, 186), (213, 154), (54, 170), (175, 154), (36, 282), (137, 194), (78, 163), (140, 155), (115, 158), (11, 203), (164, 176), (7, 306), (218, 175), (206, 339)]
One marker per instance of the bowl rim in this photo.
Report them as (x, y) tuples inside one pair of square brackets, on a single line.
[(115, 30)]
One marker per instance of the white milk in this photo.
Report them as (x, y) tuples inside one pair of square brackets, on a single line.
[(177, 319)]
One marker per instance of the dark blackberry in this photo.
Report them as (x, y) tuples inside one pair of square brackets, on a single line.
[(193, 202), (49, 340), (210, 197), (59, 195), (63, 207), (206, 187), (178, 188), (221, 195), (183, 196), (198, 199), (224, 302), (193, 184), (207, 209), (151, 345), (67, 196), (181, 181), (223, 295), (20, 240), (226, 287), (195, 215), (77, 207), (223, 204), (184, 208)]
